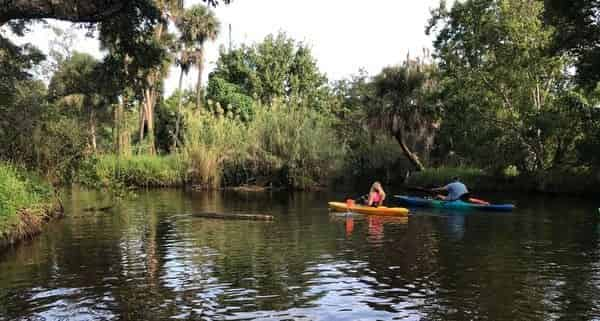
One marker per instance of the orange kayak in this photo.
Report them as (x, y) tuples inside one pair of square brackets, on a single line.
[(381, 210)]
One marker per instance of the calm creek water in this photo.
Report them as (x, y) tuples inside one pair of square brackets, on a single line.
[(148, 259)]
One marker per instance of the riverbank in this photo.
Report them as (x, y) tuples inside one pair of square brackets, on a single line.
[(582, 182), (178, 171), (26, 203)]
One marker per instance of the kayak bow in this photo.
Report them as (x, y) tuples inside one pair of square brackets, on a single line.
[(381, 210)]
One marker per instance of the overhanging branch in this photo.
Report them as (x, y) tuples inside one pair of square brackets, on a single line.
[(91, 11), (69, 10)]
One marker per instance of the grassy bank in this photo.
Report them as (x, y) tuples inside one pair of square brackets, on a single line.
[(575, 182), (25, 203), (283, 146), (139, 171), (443, 175)]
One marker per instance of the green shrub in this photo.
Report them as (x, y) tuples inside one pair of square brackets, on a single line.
[(210, 142), (378, 158), (291, 147), (227, 99), (443, 175), (19, 190), (577, 180), (298, 145), (138, 170), (511, 171)]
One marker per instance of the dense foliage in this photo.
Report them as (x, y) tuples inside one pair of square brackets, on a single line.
[(276, 68), (19, 191), (510, 90), (578, 33), (508, 99)]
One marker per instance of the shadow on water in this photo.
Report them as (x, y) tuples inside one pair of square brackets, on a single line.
[(149, 259)]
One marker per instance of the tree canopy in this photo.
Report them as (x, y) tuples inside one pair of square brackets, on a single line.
[(577, 26), (77, 10), (277, 67), (503, 87)]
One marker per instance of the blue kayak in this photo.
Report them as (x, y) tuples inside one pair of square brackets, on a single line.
[(456, 205)]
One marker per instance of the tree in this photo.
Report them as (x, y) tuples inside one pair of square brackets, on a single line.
[(75, 10), (185, 60), (154, 76), (276, 68), (74, 88), (229, 100), (402, 103), (171, 120), (15, 63), (197, 25), (133, 26), (502, 86), (35, 134), (578, 34)]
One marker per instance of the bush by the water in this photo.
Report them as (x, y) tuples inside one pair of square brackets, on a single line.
[(138, 170), (19, 191), (210, 142), (374, 158), (286, 145), (298, 146), (444, 175)]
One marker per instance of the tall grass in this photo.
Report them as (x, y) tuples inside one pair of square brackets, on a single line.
[(297, 145), (210, 142), (137, 170), (288, 146), (284, 145)]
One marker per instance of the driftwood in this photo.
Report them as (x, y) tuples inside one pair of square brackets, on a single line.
[(98, 209), (231, 216)]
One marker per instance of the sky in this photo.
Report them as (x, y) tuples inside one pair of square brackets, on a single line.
[(345, 35)]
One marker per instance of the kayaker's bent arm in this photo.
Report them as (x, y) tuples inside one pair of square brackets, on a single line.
[(439, 189)]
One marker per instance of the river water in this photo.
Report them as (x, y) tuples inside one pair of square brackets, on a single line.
[(149, 259)]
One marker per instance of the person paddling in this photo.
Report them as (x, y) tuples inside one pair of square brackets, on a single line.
[(456, 190), (376, 195)]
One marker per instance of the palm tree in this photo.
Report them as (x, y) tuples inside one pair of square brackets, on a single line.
[(185, 61), (197, 25), (170, 9)]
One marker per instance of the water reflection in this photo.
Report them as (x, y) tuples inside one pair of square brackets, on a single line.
[(150, 260)]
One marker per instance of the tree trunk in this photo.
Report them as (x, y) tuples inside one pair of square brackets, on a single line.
[(150, 96), (412, 157), (120, 132), (142, 119), (176, 136), (199, 83), (93, 130), (148, 118), (117, 127)]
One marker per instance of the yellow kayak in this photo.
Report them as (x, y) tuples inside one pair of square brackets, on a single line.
[(381, 210)]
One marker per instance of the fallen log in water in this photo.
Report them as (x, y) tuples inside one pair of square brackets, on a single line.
[(98, 209), (233, 216)]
